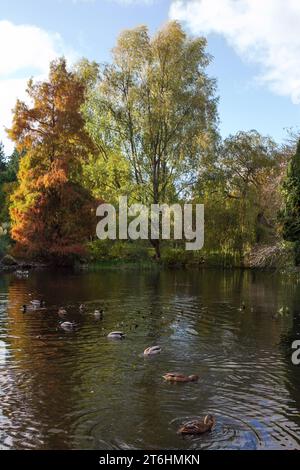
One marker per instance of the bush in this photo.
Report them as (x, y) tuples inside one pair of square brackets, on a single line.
[(4, 245), (223, 259), (107, 250), (176, 256)]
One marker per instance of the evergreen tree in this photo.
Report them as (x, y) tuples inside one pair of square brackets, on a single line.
[(2, 158)]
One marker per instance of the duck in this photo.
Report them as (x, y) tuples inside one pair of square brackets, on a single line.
[(30, 308), (116, 335), (37, 303), (284, 311), (198, 426), (62, 312), (21, 273), (82, 308), (98, 314), (67, 326), (242, 307), (153, 350), (175, 377)]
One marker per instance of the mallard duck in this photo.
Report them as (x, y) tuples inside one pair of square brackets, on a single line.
[(152, 351), (37, 303), (98, 314), (116, 335), (67, 326), (198, 426), (175, 377), (62, 312), (32, 307)]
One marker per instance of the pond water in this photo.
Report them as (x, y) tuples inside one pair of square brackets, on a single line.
[(79, 390)]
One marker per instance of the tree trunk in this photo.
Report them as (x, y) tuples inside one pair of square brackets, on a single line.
[(156, 246)]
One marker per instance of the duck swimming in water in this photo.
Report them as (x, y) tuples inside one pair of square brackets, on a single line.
[(32, 307), (36, 304), (152, 351), (22, 274), (98, 314), (62, 312), (67, 326), (116, 335), (175, 377), (198, 426)]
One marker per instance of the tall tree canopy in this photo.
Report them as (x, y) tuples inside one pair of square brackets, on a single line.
[(235, 189), (50, 211), (156, 107), (8, 176), (290, 215)]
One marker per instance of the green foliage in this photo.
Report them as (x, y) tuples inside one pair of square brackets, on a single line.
[(8, 179), (290, 215), (236, 188), (2, 158), (175, 257), (103, 177), (143, 126), (222, 259), (101, 250), (153, 112), (4, 244)]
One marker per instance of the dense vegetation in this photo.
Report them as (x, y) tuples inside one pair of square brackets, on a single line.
[(145, 126)]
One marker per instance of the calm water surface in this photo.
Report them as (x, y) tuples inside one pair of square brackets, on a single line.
[(81, 391)]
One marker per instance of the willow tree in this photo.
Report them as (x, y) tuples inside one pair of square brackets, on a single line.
[(50, 210), (156, 105), (236, 192), (290, 216)]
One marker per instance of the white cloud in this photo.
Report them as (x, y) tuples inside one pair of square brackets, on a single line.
[(25, 50), (263, 32), (134, 2), (122, 2)]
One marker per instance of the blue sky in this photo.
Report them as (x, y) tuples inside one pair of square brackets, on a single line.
[(256, 49)]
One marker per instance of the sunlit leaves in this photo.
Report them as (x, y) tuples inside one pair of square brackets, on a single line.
[(50, 211)]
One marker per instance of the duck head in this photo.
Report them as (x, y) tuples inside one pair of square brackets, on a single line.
[(194, 378), (210, 420)]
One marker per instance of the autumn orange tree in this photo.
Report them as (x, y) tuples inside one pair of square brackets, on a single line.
[(51, 212)]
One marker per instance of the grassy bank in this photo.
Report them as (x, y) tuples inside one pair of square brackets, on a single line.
[(139, 255)]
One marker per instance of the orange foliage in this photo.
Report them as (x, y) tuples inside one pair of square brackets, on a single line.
[(52, 214)]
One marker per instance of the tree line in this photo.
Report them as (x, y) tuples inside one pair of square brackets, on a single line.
[(144, 125)]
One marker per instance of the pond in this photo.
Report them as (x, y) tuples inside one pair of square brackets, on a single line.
[(79, 390)]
